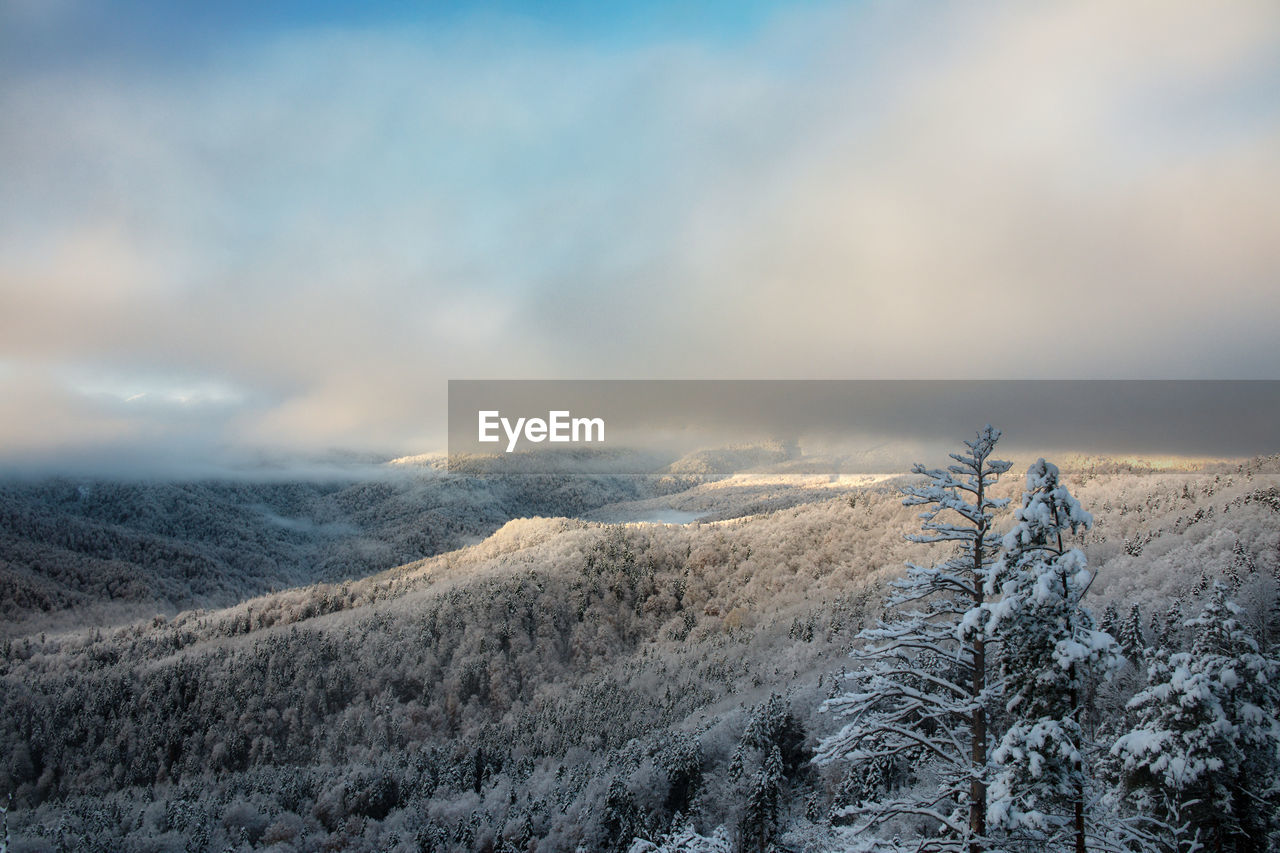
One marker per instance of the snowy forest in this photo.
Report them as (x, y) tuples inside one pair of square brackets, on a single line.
[(1079, 653)]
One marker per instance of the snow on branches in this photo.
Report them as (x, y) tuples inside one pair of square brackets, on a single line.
[(1049, 652), (1205, 747), (922, 698)]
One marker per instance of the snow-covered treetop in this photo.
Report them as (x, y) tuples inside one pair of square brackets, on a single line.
[(974, 472), (1217, 630), (1048, 510)]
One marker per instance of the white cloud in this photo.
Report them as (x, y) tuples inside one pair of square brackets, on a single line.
[(335, 223)]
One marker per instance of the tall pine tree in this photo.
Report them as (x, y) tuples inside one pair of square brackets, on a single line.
[(1050, 652), (923, 696)]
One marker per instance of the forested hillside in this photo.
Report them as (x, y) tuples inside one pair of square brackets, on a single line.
[(563, 684), (76, 552)]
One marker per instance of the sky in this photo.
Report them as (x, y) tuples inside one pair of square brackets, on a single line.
[(226, 227)]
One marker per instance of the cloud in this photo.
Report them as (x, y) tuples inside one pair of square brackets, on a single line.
[(334, 221)]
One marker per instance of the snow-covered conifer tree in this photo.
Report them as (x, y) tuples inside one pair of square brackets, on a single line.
[(923, 696), (760, 819), (1170, 624), (1049, 653), (1110, 619), (1204, 753), (1131, 638), (621, 821)]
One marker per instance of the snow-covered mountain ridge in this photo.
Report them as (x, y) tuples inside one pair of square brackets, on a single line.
[(561, 683)]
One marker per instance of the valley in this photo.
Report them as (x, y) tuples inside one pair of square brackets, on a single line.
[(456, 664)]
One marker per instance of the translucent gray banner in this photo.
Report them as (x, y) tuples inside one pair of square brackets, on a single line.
[(631, 426)]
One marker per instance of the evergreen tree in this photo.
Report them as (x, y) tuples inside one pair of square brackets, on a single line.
[(1050, 652), (866, 782), (1110, 619), (760, 819), (1241, 564), (1132, 641), (1204, 753), (620, 822), (1155, 629), (773, 724), (923, 696), (680, 757), (1171, 625)]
